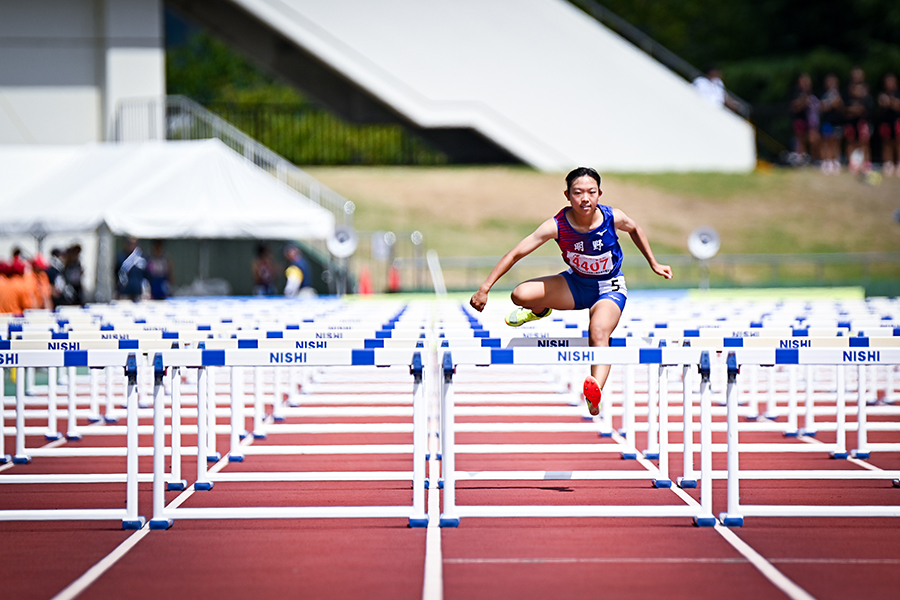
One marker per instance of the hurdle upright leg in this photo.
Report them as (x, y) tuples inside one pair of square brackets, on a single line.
[(72, 422), (732, 518), (110, 417), (159, 521), (212, 455), (448, 457), (628, 413), (4, 458), (259, 407), (203, 483), (840, 450), (689, 477), (771, 401), (132, 519), (419, 517), (235, 453), (20, 457), (177, 483), (52, 417), (94, 415), (862, 442), (706, 518), (664, 480), (809, 418), (792, 429), (653, 412)]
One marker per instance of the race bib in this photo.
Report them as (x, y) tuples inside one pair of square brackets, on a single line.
[(601, 264)]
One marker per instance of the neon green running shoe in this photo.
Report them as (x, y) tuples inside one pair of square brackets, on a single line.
[(520, 316)]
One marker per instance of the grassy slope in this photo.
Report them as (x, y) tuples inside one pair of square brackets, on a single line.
[(484, 211)]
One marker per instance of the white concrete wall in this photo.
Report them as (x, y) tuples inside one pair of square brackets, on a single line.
[(539, 77), (65, 64)]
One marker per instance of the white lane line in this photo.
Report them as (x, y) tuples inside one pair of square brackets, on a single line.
[(94, 573), (670, 561), (433, 586), (776, 577)]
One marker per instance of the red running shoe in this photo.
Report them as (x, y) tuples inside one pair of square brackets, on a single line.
[(592, 395)]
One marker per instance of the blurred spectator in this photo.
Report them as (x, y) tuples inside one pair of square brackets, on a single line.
[(805, 122), (9, 299), (297, 272), (710, 86), (42, 290), (858, 130), (73, 274), (159, 272), (263, 272), (55, 276), (131, 269), (831, 106), (889, 124)]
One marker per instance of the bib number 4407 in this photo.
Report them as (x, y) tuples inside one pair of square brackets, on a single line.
[(591, 265)]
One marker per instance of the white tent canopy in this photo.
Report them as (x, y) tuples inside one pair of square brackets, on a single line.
[(189, 189)]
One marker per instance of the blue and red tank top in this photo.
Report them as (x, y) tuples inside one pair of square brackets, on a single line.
[(595, 254)]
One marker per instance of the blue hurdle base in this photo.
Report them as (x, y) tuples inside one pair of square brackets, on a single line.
[(235, 458), (427, 483), (259, 436), (896, 483), (650, 455), (607, 434), (662, 483), (441, 483), (204, 486), (176, 486), (160, 524), (110, 419), (422, 522), (278, 419), (95, 419), (21, 459), (213, 457), (839, 454), (5, 458), (133, 524), (705, 521), (628, 455), (791, 434), (806, 433), (73, 437), (52, 437), (729, 521), (858, 454), (751, 418), (449, 522), (686, 483)]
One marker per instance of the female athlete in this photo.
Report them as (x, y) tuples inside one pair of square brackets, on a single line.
[(586, 235)]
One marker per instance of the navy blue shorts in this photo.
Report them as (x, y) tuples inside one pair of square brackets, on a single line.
[(587, 292)]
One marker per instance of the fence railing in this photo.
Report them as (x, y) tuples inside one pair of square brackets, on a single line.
[(184, 119), (877, 272)]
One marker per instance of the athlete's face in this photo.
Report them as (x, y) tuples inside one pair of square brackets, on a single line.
[(584, 195)]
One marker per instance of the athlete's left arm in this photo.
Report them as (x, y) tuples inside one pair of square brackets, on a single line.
[(628, 225)]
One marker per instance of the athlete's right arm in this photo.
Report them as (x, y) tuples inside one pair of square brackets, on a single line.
[(544, 233)]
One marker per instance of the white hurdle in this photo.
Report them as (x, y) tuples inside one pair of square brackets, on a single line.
[(843, 359), (72, 358), (163, 516), (452, 512)]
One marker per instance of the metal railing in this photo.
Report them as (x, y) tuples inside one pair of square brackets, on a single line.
[(877, 272), (184, 119)]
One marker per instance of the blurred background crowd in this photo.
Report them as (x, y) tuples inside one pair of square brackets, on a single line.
[(853, 125), (39, 282)]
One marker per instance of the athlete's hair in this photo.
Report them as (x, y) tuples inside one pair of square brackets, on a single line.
[(581, 172)]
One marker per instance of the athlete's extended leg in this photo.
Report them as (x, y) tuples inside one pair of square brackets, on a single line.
[(537, 297), (604, 318)]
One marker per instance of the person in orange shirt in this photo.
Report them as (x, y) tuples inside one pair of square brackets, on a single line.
[(9, 294)]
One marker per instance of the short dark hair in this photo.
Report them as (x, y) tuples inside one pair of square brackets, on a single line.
[(581, 172)]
